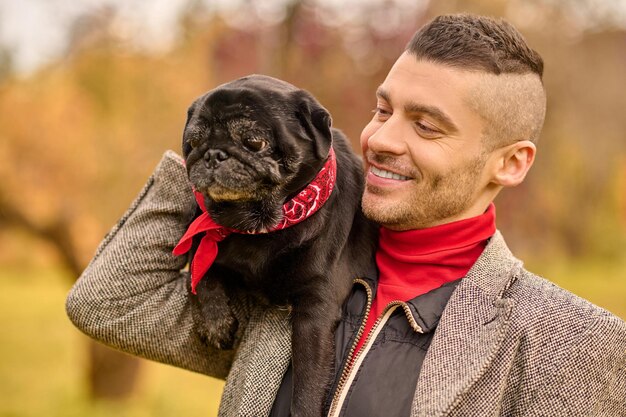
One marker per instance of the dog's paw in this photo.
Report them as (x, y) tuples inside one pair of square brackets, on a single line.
[(219, 333), (215, 323)]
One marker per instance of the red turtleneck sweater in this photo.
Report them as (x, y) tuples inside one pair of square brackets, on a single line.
[(414, 262)]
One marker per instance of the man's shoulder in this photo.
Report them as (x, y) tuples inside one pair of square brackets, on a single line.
[(541, 294), (542, 307), (538, 305)]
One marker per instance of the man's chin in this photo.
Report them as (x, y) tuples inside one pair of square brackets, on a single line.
[(377, 208), (393, 214)]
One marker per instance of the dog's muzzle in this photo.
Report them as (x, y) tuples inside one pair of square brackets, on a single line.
[(213, 157)]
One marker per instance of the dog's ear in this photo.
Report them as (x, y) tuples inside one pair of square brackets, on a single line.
[(186, 145), (316, 122)]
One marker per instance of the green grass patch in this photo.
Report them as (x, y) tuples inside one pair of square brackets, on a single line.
[(42, 371)]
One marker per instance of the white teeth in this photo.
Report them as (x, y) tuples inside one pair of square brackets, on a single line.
[(387, 174)]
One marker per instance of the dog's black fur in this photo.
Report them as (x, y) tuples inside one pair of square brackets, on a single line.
[(250, 145)]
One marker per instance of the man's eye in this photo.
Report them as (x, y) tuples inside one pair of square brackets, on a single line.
[(426, 130), (381, 113)]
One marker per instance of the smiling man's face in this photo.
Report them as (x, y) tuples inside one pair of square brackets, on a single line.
[(424, 157)]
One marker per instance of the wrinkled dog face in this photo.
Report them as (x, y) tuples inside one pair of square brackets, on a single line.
[(254, 141), (232, 157)]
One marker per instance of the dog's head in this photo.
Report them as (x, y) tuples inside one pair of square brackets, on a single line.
[(250, 145)]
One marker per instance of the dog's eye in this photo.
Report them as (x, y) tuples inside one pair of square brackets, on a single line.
[(194, 142), (255, 144)]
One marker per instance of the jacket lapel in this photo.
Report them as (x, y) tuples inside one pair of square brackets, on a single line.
[(471, 330)]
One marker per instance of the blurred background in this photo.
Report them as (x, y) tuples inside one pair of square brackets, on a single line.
[(92, 92)]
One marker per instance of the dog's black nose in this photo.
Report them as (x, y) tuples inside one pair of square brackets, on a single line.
[(213, 157)]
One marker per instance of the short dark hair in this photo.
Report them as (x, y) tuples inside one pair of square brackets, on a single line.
[(475, 42), (513, 104)]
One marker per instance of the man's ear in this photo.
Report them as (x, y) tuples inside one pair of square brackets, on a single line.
[(513, 163)]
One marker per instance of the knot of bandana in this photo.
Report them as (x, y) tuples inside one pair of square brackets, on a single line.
[(299, 208)]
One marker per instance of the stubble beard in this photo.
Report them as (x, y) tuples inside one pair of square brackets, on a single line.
[(431, 202)]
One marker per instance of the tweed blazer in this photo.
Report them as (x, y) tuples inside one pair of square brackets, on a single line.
[(509, 343)]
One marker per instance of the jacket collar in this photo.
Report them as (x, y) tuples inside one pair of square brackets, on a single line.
[(471, 330), (427, 309), (496, 268)]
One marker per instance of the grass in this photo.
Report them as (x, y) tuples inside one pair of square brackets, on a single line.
[(42, 370)]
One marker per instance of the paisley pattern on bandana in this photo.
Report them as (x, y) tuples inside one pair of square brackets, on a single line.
[(299, 208), (312, 197)]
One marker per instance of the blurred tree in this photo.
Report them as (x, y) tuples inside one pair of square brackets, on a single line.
[(78, 141), (6, 63)]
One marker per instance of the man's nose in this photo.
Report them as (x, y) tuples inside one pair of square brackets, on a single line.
[(390, 137)]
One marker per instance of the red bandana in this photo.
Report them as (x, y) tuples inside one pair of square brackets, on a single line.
[(299, 208)]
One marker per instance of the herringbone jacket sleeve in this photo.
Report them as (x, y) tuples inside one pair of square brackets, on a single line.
[(132, 295)]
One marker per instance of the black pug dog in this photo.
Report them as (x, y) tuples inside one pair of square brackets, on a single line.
[(250, 146)]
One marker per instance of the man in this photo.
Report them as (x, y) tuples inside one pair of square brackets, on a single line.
[(447, 322)]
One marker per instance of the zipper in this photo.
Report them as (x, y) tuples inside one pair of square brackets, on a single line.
[(353, 364), (345, 371)]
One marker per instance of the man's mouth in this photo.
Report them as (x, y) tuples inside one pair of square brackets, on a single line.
[(387, 174)]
